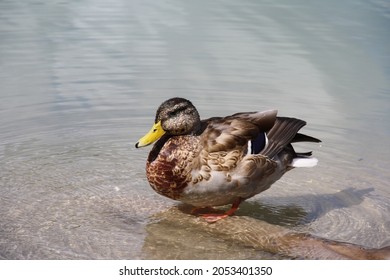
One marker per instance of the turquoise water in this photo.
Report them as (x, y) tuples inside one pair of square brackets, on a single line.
[(80, 83)]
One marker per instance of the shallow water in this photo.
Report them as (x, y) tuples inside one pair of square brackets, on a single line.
[(80, 83)]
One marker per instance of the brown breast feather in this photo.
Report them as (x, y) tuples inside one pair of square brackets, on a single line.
[(170, 170)]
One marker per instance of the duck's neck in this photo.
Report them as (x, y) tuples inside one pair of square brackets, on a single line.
[(157, 147)]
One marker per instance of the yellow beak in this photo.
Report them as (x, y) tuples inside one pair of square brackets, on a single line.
[(153, 135)]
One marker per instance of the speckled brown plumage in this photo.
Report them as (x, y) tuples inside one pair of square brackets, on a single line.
[(168, 164)]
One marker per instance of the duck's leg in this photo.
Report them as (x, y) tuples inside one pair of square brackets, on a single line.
[(214, 217)]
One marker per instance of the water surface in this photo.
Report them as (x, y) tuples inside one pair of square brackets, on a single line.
[(80, 83)]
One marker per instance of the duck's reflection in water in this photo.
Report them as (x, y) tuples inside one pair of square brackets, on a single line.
[(269, 231)]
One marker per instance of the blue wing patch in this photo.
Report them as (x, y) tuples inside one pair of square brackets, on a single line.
[(259, 143)]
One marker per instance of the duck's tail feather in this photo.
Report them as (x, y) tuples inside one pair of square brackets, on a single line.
[(282, 134), (299, 137), (307, 154)]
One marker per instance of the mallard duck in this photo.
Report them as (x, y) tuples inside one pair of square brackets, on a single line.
[(221, 160)]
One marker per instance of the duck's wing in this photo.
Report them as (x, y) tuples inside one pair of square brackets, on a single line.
[(233, 133), (283, 133)]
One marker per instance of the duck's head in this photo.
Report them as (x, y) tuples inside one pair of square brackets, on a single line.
[(176, 116)]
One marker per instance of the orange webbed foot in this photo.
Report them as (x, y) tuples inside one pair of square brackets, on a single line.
[(214, 217)]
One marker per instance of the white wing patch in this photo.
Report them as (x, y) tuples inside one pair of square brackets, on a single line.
[(249, 148)]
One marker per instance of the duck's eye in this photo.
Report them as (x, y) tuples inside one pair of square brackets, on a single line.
[(176, 111)]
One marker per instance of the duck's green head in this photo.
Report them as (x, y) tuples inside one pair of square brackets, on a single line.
[(176, 116)]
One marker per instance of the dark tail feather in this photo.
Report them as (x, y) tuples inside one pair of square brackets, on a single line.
[(307, 154), (281, 134), (299, 137), (284, 132)]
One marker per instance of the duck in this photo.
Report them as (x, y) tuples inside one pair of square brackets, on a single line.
[(220, 161)]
